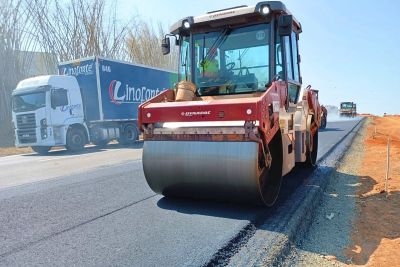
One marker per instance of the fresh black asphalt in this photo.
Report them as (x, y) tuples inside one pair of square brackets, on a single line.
[(109, 216)]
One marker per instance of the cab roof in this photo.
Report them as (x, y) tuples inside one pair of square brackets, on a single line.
[(55, 81), (275, 7)]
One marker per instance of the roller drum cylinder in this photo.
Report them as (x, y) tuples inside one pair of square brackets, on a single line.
[(207, 170)]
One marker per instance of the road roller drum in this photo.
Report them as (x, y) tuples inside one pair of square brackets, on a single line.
[(238, 120)]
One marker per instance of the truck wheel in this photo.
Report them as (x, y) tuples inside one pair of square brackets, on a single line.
[(41, 150), (129, 135), (101, 144), (76, 140)]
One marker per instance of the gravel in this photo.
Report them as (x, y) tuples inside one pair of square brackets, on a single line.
[(330, 232)]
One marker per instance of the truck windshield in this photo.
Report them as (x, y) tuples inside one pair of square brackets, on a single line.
[(29, 102), (232, 61), (347, 105)]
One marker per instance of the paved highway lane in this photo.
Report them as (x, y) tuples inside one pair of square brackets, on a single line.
[(30, 168), (334, 131), (105, 214)]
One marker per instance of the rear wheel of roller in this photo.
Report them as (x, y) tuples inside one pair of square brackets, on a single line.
[(311, 144), (312, 150), (270, 179)]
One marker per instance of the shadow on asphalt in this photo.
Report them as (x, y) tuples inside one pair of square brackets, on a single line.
[(256, 214), (300, 183), (88, 150), (331, 130)]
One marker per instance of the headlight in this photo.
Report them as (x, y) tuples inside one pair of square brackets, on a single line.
[(43, 133), (265, 10), (186, 24)]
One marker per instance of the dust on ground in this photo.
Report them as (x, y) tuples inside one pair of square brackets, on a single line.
[(376, 229)]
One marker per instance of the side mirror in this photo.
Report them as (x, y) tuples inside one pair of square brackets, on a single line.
[(165, 46), (285, 23)]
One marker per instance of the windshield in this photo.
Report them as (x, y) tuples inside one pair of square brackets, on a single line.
[(347, 105), (29, 102), (232, 61)]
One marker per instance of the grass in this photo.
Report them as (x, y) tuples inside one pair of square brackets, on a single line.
[(7, 151)]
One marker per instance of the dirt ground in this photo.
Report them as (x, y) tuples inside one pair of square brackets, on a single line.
[(7, 151), (376, 229)]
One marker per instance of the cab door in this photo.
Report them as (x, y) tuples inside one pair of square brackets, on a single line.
[(292, 68), (60, 113), (59, 103)]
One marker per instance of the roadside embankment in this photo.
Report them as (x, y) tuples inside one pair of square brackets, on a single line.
[(357, 222), (375, 239)]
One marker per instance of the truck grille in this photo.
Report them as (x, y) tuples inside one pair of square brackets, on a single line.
[(25, 121), (27, 136), (26, 128)]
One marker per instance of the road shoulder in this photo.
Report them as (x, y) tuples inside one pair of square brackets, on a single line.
[(274, 239), (330, 231)]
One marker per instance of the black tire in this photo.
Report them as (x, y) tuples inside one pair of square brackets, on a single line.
[(323, 123), (41, 150), (312, 151), (76, 140), (101, 144), (129, 135), (270, 178)]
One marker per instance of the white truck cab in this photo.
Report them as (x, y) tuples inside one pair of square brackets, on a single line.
[(44, 108)]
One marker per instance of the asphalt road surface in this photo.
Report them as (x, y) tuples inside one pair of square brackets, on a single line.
[(95, 209)]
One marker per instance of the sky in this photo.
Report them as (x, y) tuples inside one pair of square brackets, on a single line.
[(350, 49)]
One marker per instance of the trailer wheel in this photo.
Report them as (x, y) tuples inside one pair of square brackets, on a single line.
[(271, 178), (41, 150), (129, 135), (76, 140)]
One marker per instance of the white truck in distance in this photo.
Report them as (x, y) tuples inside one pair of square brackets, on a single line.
[(96, 101)]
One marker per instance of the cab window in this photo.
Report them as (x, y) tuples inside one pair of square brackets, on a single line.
[(289, 58), (184, 62), (295, 57), (59, 98)]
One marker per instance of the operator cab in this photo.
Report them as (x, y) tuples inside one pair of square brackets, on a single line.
[(239, 50)]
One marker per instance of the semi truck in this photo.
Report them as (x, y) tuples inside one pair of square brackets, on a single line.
[(92, 100), (231, 132), (348, 109)]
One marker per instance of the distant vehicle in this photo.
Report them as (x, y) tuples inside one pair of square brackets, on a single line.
[(348, 109), (94, 101), (324, 117)]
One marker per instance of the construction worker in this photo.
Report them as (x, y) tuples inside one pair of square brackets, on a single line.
[(211, 65)]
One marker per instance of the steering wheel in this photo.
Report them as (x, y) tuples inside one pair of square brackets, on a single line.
[(230, 66)]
